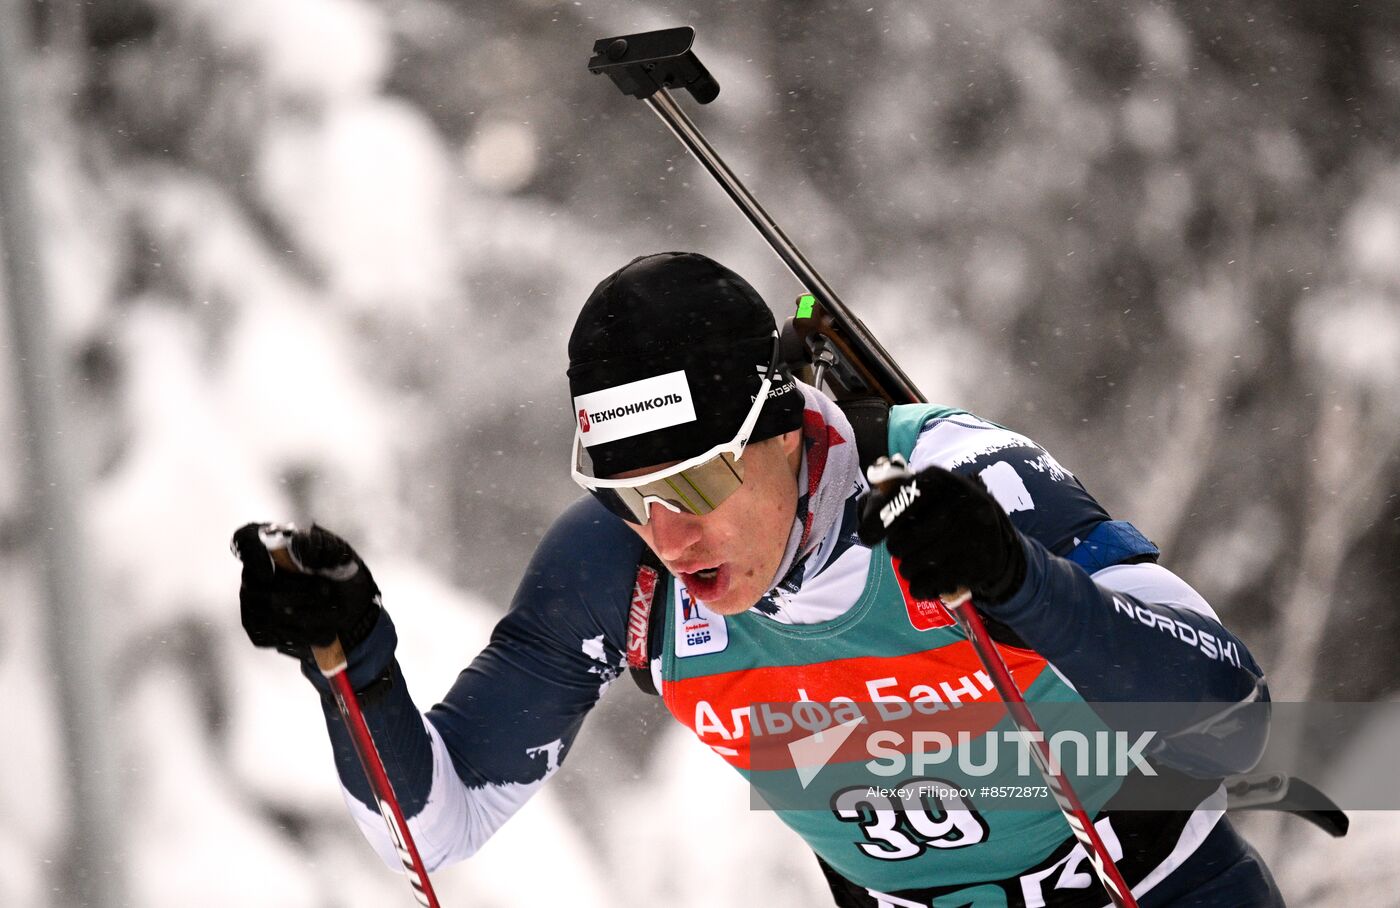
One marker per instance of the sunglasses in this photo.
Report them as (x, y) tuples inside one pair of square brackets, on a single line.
[(694, 486)]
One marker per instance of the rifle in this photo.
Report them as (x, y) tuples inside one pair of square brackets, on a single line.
[(824, 334)]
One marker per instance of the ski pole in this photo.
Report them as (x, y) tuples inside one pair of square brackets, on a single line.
[(644, 66), (887, 472), (1080, 823), (330, 659)]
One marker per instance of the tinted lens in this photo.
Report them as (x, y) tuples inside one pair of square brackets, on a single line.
[(617, 504), (698, 490)]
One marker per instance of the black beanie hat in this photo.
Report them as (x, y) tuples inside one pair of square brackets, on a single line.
[(665, 359)]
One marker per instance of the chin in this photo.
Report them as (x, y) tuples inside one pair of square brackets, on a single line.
[(735, 601), (730, 605)]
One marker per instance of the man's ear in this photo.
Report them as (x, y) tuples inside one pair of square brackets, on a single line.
[(792, 449)]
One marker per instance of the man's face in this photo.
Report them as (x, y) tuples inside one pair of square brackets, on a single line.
[(727, 557)]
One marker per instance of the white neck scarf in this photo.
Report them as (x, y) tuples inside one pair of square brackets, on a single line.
[(830, 475)]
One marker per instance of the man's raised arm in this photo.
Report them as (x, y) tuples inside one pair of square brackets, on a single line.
[(505, 726)]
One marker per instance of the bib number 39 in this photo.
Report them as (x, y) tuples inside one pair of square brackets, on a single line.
[(905, 821)]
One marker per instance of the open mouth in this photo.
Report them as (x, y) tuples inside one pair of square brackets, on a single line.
[(707, 584)]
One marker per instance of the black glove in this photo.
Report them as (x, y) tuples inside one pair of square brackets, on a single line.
[(948, 533), (326, 592)]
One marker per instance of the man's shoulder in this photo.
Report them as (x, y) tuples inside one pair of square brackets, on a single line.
[(1044, 499), (954, 438), (589, 551)]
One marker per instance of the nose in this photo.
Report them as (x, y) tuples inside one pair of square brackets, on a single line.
[(671, 533)]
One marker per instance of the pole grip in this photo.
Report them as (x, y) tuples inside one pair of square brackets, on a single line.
[(330, 659)]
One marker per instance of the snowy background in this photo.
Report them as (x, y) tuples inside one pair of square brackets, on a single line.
[(319, 259)]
